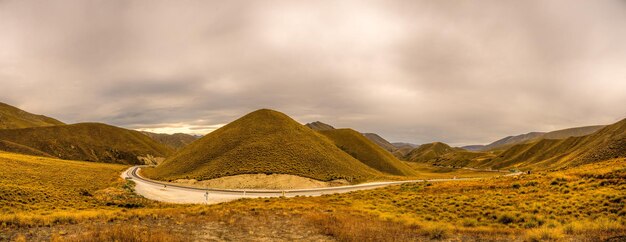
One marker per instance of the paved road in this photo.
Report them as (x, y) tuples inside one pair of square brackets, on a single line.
[(157, 190)]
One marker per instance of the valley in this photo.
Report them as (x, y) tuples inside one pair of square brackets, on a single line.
[(265, 176)]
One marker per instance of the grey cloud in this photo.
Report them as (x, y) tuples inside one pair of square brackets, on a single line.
[(417, 71)]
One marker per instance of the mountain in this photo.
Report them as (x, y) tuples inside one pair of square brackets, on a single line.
[(473, 147), (513, 140), (15, 118), (430, 151), (84, 141), (400, 145), (380, 141), (534, 136), (572, 132), (264, 141), (607, 143), (366, 151), (317, 125), (174, 141)]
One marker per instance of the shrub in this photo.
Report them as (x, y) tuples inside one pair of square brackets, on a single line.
[(506, 218), (516, 185)]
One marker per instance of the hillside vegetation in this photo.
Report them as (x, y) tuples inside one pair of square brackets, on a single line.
[(264, 141), (85, 141), (174, 141), (364, 150), (15, 118)]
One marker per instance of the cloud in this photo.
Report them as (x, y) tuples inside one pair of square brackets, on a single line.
[(416, 71)]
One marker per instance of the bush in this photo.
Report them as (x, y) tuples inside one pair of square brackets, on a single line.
[(516, 185), (506, 218)]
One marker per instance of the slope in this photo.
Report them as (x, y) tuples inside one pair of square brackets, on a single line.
[(15, 118), (85, 141), (380, 141), (264, 141), (174, 141), (364, 150)]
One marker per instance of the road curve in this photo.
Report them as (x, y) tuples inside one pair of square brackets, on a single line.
[(167, 192)]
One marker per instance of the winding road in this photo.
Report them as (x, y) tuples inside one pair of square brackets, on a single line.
[(173, 193)]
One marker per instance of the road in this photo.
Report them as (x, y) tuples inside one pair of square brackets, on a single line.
[(167, 192)]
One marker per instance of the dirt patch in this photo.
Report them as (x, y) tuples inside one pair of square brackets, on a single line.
[(262, 181)]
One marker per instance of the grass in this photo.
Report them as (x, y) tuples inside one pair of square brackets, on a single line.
[(364, 150), (85, 141), (263, 141), (581, 203)]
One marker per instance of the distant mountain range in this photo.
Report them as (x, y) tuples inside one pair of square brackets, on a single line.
[(174, 141), (532, 136)]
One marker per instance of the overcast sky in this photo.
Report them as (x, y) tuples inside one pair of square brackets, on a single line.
[(461, 72)]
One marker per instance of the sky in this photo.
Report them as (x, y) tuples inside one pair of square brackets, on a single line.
[(460, 72)]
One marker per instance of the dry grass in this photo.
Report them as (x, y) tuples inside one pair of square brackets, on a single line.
[(583, 203)]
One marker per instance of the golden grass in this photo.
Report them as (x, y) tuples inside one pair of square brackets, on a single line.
[(582, 203)]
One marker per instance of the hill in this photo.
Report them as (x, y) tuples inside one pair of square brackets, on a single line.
[(572, 132), (364, 150), (15, 118), (430, 151), (317, 125), (607, 143), (264, 141), (380, 141), (509, 141), (174, 141), (85, 141)]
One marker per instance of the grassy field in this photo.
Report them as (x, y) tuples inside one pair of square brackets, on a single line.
[(90, 203)]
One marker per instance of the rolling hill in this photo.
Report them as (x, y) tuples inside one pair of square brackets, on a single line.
[(264, 141), (364, 150), (84, 141), (430, 151), (15, 118), (174, 141)]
